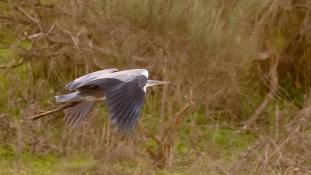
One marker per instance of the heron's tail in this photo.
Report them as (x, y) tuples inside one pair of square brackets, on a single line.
[(67, 97)]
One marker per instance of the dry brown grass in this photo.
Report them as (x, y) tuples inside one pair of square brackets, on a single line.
[(230, 63)]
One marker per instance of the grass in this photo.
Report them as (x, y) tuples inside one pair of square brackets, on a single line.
[(219, 57), (28, 163), (218, 142)]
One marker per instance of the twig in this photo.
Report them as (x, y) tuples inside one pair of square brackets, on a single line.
[(75, 40), (165, 143), (258, 111), (176, 121), (13, 65), (41, 34), (273, 87), (21, 10), (10, 18)]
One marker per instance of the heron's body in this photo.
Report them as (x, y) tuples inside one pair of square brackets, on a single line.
[(123, 90)]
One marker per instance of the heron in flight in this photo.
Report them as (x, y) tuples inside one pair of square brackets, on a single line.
[(123, 91)]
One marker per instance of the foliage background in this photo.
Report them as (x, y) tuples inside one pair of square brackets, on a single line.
[(238, 101)]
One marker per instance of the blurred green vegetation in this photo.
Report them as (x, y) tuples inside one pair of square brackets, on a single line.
[(223, 59), (27, 163)]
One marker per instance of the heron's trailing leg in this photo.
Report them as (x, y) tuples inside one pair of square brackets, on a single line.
[(44, 114)]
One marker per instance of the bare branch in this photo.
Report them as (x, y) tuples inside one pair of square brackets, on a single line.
[(273, 87), (13, 65), (31, 18)]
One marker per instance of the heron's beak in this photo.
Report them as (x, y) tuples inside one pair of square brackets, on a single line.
[(155, 82)]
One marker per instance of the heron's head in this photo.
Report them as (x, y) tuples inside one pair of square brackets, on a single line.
[(155, 82)]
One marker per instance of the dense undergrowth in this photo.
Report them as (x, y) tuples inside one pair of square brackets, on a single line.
[(238, 100)]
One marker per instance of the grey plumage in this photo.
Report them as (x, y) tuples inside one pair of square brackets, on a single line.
[(125, 102), (77, 113), (87, 78), (123, 91), (67, 97)]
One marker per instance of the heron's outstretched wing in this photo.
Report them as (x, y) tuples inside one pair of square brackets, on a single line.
[(76, 114), (89, 77), (104, 80), (74, 96), (124, 96), (125, 103)]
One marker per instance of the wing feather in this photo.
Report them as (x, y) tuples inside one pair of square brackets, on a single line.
[(129, 115), (123, 105), (76, 114), (125, 114), (87, 78), (125, 102), (132, 121)]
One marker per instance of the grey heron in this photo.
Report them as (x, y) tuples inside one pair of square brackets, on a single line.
[(123, 91)]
